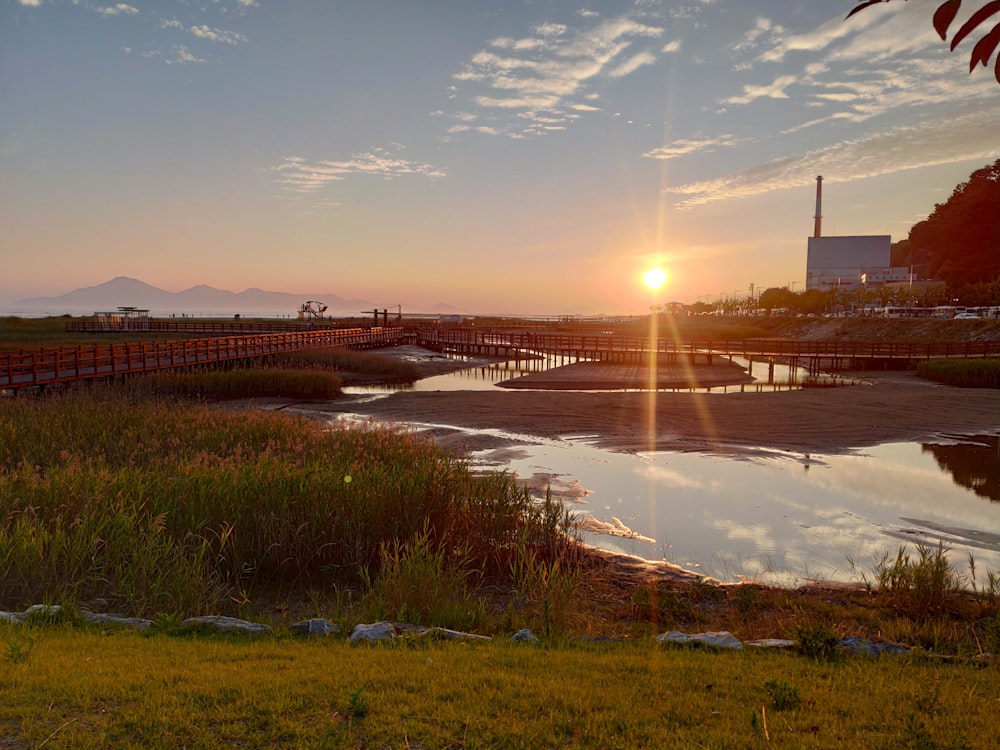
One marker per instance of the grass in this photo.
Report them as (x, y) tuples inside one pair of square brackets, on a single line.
[(242, 382), (964, 373), (352, 365), (87, 688), (154, 505)]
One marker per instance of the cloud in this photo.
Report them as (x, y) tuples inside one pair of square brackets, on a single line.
[(116, 10), (685, 146), (673, 46), (632, 64), (548, 72), (217, 35), (774, 90), (181, 55), (299, 176), (30, 3), (943, 141)]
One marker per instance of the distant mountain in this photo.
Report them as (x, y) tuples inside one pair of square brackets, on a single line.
[(198, 300)]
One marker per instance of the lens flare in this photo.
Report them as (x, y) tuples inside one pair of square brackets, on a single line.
[(655, 278)]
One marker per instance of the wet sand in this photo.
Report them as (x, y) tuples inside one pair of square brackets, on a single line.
[(884, 407)]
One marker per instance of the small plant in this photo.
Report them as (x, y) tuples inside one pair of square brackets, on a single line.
[(357, 703), (817, 642), (920, 586), (18, 648), (418, 582), (784, 696)]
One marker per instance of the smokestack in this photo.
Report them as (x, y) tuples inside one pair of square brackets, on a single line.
[(819, 207)]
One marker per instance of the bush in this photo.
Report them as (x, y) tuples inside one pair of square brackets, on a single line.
[(964, 373)]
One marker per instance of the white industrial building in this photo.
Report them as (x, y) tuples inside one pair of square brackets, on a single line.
[(849, 262)]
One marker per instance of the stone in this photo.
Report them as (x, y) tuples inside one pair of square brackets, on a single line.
[(372, 632), (524, 636), (869, 648), (227, 625), (315, 626), (453, 634), (138, 623), (719, 639), (771, 643)]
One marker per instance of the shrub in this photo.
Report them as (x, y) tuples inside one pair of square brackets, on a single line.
[(964, 373)]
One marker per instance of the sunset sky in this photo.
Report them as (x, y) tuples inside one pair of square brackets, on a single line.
[(495, 156)]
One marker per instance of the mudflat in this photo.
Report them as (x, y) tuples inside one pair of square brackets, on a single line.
[(880, 407)]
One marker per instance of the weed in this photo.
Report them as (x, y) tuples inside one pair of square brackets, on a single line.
[(784, 696), (817, 642), (357, 704), (920, 586), (18, 647), (416, 582)]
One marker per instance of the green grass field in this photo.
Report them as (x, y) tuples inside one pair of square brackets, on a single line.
[(62, 688)]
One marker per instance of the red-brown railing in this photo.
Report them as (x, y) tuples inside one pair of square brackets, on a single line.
[(609, 344), (37, 367)]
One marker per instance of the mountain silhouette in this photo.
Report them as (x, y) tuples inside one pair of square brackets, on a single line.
[(123, 291)]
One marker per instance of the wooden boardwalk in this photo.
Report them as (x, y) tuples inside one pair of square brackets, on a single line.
[(28, 368), (816, 356)]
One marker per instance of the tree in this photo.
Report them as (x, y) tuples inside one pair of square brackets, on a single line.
[(959, 243), (942, 20), (775, 298)]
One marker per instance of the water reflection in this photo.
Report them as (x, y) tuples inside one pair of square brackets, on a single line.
[(771, 516), (973, 462), (769, 377), (776, 517)]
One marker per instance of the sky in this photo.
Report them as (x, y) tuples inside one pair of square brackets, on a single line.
[(531, 157)]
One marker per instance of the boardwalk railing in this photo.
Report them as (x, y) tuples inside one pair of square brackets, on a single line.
[(623, 348), (40, 367)]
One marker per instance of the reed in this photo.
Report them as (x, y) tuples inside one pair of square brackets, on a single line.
[(242, 382), (158, 505), (371, 364), (964, 373)]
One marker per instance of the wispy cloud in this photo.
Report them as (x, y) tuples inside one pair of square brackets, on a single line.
[(217, 35), (30, 3), (300, 176), (685, 146), (536, 84), (181, 55), (116, 10), (944, 141), (774, 90)]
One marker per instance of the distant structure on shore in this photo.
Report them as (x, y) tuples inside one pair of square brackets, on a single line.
[(849, 262)]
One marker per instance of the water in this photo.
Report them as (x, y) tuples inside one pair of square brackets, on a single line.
[(488, 376), (775, 517), (766, 515)]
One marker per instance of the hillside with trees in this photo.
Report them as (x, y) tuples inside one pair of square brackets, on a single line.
[(959, 242)]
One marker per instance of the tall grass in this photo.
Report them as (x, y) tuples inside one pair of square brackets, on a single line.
[(964, 373), (371, 364), (242, 382), (155, 505)]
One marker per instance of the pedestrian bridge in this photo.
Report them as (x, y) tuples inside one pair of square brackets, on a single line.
[(28, 368)]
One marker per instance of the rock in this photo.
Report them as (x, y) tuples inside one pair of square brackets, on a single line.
[(453, 634), (720, 639), (41, 610), (315, 626), (771, 643), (869, 648), (376, 631), (524, 636), (116, 619), (226, 625)]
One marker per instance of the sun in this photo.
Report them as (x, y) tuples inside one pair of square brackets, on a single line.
[(655, 278)]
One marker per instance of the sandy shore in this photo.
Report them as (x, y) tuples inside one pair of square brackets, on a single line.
[(886, 407)]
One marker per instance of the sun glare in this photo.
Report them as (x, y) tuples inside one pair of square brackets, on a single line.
[(655, 278)]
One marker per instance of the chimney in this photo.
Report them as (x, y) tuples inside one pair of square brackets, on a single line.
[(819, 207)]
